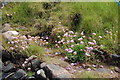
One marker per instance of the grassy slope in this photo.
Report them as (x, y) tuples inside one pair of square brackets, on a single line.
[(96, 17)]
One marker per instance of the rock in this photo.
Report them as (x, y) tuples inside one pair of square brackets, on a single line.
[(31, 58), (1, 48), (103, 70), (42, 65), (35, 64), (54, 71), (41, 73), (6, 76), (1, 65), (9, 35), (6, 27), (115, 57), (117, 69), (19, 75), (31, 78), (6, 56), (20, 58), (9, 68)]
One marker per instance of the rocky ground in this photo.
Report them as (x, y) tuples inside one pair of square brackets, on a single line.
[(52, 67)]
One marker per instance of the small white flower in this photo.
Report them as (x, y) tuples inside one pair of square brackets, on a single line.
[(23, 65), (29, 69), (58, 36), (25, 62), (83, 36)]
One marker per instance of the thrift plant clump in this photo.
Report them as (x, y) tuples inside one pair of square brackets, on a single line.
[(77, 46)]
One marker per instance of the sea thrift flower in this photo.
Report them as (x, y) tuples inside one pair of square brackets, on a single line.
[(81, 42), (66, 50), (87, 54), (82, 33), (74, 35), (80, 39), (68, 68), (46, 37), (100, 36), (11, 48), (70, 50), (58, 36), (83, 36), (93, 33), (66, 34), (94, 42), (72, 46), (72, 40), (75, 53), (68, 41), (29, 69), (91, 43), (72, 64), (71, 32), (89, 48), (23, 65)]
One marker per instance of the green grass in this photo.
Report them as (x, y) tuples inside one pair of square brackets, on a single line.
[(34, 49), (95, 17)]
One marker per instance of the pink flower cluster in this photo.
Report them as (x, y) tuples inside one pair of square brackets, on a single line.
[(70, 39), (20, 43)]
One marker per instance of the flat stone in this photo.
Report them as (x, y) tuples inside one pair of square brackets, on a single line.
[(54, 71), (6, 76), (19, 75), (115, 57), (9, 67), (103, 70)]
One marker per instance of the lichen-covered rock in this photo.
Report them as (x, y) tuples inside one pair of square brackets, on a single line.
[(35, 64), (56, 72), (9, 35)]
